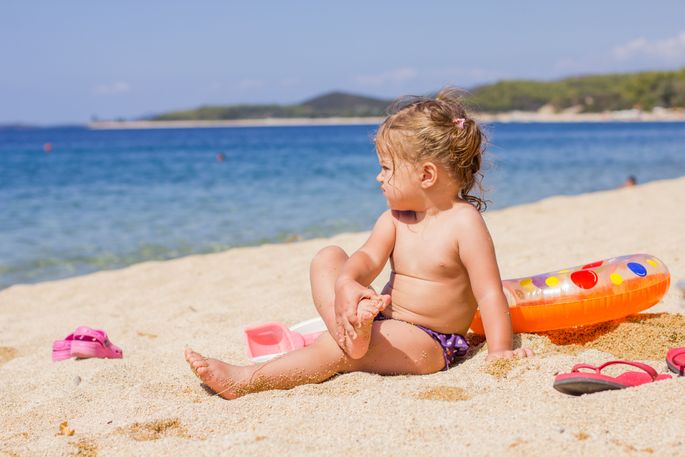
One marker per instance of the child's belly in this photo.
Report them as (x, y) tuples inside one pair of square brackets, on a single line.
[(444, 306)]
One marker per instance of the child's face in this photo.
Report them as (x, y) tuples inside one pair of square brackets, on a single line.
[(399, 182)]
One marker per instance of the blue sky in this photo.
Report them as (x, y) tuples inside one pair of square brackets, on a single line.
[(63, 62)]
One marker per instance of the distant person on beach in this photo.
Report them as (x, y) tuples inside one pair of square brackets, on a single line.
[(630, 181), (443, 267)]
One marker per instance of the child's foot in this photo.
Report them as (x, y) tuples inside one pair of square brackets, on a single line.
[(367, 310), (222, 378)]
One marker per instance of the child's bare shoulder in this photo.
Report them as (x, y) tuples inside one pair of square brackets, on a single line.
[(389, 215), (386, 221), (465, 218), (465, 213)]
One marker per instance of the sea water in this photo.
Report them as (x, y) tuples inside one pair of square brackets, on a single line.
[(102, 199)]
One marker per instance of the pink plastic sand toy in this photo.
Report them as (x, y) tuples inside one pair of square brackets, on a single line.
[(269, 340)]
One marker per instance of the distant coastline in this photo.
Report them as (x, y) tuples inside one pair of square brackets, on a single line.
[(546, 114), (268, 122), (542, 115)]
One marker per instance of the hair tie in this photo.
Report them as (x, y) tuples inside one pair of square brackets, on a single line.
[(459, 122)]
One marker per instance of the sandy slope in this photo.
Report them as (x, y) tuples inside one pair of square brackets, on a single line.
[(150, 403)]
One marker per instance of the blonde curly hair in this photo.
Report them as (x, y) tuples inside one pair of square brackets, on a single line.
[(438, 129)]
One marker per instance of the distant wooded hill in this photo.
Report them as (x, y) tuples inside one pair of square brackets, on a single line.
[(334, 104), (596, 93)]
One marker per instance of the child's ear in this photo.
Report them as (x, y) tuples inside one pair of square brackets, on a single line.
[(429, 174)]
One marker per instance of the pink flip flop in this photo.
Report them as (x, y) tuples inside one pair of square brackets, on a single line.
[(675, 359), (61, 349), (579, 383), (88, 342)]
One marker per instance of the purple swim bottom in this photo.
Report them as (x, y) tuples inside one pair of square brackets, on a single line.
[(453, 345)]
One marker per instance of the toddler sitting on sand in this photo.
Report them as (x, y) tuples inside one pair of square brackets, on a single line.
[(442, 258)]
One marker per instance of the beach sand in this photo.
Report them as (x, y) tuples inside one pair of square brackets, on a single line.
[(150, 403)]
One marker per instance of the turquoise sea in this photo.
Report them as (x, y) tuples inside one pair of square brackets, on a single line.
[(107, 199)]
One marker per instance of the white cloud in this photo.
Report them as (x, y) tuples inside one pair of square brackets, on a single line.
[(398, 75), (247, 84), (669, 50), (289, 82), (119, 87), (463, 76), (635, 55)]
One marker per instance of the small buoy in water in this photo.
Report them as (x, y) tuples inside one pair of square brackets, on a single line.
[(220, 157), (47, 147)]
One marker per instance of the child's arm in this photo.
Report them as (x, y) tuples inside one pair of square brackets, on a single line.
[(359, 271), (477, 253)]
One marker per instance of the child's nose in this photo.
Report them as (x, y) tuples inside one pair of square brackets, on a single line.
[(379, 176)]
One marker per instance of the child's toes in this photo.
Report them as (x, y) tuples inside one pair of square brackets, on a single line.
[(199, 363), (194, 358)]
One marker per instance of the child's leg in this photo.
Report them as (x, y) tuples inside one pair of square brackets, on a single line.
[(323, 272), (311, 364), (396, 348)]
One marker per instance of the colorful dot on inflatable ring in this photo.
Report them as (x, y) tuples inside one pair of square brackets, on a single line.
[(552, 281), (652, 262), (637, 268), (539, 282), (565, 270), (616, 278), (585, 279), (527, 284), (593, 265)]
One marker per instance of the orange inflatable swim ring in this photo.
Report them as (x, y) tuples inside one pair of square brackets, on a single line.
[(587, 294)]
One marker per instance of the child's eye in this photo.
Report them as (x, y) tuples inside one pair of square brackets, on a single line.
[(384, 168)]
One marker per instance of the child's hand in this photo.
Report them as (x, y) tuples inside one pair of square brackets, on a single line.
[(516, 353), (348, 294)]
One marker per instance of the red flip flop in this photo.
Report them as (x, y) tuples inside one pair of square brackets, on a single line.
[(675, 359), (579, 383)]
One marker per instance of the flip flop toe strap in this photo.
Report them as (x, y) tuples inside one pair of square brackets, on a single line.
[(676, 359), (92, 335), (644, 367)]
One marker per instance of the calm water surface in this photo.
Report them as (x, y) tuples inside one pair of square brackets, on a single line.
[(106, 199)]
